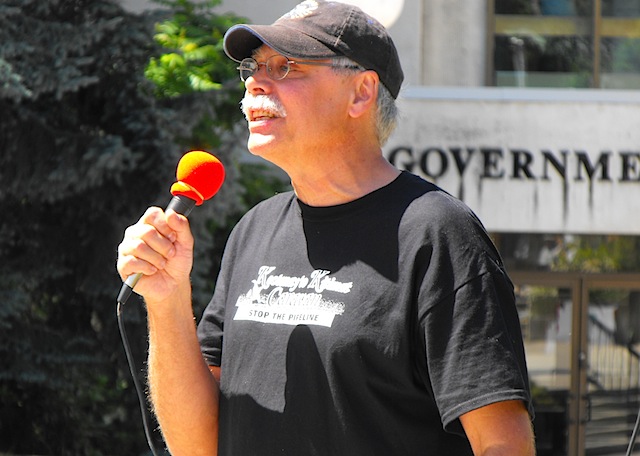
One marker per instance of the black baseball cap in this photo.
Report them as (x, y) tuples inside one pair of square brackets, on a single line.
[(320, 29)]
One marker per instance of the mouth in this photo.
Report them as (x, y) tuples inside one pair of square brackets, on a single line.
[(261, 108), (255, 115)]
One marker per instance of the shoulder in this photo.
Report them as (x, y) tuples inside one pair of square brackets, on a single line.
[(271, 207), (432, 208), (279, 200), (269, 212), (448, 241)]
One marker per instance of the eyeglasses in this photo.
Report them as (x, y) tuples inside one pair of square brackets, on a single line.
[(278, 66)]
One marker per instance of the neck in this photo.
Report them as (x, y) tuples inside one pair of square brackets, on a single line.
[(346, 178)]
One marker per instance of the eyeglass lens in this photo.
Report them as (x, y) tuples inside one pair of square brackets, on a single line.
[(277, 67)]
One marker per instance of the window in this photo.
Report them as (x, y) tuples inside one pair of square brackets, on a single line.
[(566, 43), (569, 252)]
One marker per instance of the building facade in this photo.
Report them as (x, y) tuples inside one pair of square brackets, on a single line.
[(529, 111)]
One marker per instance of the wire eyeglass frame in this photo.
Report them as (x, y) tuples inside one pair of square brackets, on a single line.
[(278, 66)]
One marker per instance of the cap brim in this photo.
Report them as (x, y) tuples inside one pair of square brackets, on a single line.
[(241, 40)]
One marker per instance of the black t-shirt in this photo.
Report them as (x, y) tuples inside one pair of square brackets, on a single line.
[(364, 328)]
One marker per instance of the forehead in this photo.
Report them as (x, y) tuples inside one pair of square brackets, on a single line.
[(263, 52)]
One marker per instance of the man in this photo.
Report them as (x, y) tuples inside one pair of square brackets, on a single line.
[(365, 313)]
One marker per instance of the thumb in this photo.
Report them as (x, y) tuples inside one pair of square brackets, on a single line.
[(180, 225)]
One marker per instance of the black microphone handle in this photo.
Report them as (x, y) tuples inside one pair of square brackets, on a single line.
[(180, 204)]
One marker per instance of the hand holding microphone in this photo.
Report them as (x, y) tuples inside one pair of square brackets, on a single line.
[(160, 244)]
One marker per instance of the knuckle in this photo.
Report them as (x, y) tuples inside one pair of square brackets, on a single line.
[(152, 214), (138, 247), (123, 266)]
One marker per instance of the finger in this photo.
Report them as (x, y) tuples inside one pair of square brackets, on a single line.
[(130, 265), (157, 218), (150, 247), (145, 248), (154, 229), (179, 224), (135, 256)]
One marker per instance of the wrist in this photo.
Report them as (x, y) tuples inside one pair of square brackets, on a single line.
[(174, 306)]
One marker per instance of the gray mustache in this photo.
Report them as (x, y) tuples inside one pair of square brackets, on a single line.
[(263, 103)]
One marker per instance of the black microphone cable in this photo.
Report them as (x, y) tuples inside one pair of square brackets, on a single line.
[(136, 382)]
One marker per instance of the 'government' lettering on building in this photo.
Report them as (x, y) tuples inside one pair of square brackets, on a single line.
[(519, 163)]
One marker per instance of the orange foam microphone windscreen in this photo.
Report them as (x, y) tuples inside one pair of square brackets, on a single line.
[(199, 176)]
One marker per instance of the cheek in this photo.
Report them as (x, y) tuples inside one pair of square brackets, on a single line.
[(325, 107), (317, 107)]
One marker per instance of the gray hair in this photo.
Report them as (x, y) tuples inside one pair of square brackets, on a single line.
[(387, 110)]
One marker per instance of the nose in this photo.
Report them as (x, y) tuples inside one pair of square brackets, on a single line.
[(259, 82)]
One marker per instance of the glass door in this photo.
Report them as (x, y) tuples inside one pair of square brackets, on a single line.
[(613, 363), (582, 342), (547, 307)]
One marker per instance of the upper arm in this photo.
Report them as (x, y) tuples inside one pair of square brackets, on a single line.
[(215, 371), (500, 429)]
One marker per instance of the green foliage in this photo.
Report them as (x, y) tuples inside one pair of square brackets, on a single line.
[(87, 142), (625, 55), (196, 78), (598, 254), (196, 61), (85, 148), (545, 301)]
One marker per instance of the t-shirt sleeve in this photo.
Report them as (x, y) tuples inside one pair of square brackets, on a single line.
[(474, 348), (211, 326), (210, 331)]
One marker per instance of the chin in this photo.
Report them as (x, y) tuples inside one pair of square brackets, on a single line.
[(261, 146), (269, 153), (261, 151)]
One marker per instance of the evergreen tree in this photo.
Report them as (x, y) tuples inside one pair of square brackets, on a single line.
[(85, 147)]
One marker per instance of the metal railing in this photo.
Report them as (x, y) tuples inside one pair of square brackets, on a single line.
[(613, 366)]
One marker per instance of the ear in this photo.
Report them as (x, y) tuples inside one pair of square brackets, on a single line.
[(365, 93)]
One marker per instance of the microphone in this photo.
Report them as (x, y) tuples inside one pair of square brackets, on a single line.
[(199, 176)]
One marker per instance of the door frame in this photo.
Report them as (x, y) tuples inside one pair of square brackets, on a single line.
[(580, 284)]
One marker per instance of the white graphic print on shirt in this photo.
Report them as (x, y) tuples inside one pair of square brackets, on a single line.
[(289, 300)]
